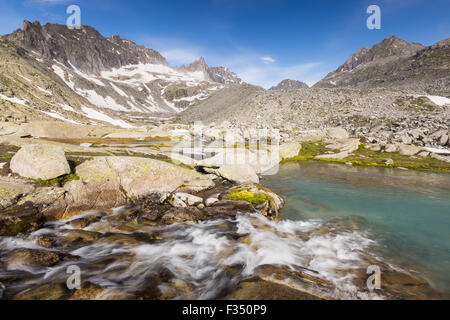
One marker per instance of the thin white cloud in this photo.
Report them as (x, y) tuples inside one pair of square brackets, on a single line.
[(181, 56), (267, 60), (176, 51), (251, 66)]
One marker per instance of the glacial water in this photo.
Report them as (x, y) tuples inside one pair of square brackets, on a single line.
[(406, 212), (338, 220)]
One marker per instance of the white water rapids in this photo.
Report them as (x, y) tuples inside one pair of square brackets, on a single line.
[(199, 256)]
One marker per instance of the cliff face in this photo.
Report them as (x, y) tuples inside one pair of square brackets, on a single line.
[(85, 49), (225, 76)]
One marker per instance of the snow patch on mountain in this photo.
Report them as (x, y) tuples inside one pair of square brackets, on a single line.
[(145, 73), (438, 100), (96, 115), (58, 116), (44, 90), (86, 76), (103, 102), (15, 100)]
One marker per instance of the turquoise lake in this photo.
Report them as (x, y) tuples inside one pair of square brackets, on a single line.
[(406, 212)]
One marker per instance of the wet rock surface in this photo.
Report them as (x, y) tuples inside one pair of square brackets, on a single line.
[(153, 261), (193, 238), (22, 219)]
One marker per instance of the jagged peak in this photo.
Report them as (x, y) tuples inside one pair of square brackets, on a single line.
[(224, 75), (289, 84), (389, 47), (86, 48)]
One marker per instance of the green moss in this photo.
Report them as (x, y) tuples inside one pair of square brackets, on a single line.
[(57, 182), (366, 157), (7, 151), (314, 149), (252, 197)]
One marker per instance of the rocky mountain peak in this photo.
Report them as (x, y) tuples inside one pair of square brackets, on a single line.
[(395, 63), (26, 25), (197, 65), (443, 44), (290, 85), (391, 47), (224, 75), (85, 49)]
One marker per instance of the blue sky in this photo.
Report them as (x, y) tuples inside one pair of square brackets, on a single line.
[(263, 41)]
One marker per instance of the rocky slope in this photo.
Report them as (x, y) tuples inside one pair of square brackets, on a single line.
[(84, 49), (114, 79), (381, 115), (290, 85), (395, 63), (29, 90)]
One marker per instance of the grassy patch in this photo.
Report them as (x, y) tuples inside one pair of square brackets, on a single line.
[(77, 158), (96, 141), (7, 151), (365, 157), (57, 182), (312, 149)]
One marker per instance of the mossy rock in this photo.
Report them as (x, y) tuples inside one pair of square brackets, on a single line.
[(267, 202), (57, 182), (253, 198)]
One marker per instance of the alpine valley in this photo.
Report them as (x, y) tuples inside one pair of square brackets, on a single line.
[(114, 160)]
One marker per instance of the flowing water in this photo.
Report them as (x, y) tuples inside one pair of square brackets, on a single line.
[(407, 212), (338, 221)]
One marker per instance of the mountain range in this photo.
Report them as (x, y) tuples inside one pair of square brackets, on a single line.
[(52, 72), (395, 63)]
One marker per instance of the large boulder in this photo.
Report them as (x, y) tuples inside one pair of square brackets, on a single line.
[(107, 182), (266, 202), (11, 191), (337, 133), (345, 145), (339, 156), (140, 177), (391, 148), (40, 161), (21, 219), (240, 174), (290, 150), (408, 150), (262, 160)]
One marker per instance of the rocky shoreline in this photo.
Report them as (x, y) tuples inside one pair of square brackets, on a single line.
[(40, 187)]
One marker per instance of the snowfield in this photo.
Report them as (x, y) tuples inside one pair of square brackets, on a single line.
[(60, 117), (96, 115), (143, 73), (15, 100), (440, 101)]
